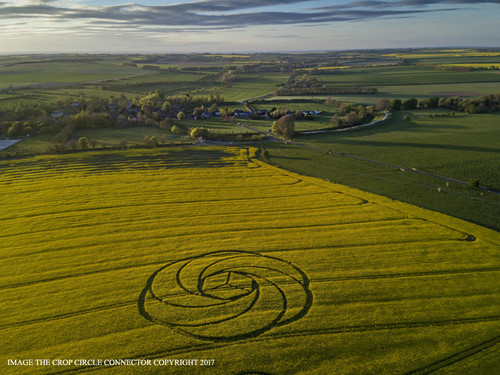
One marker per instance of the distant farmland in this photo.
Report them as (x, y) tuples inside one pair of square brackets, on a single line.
[(209, 253)]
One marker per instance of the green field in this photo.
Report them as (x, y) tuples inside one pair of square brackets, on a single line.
[(46, 73), (207, 253), (405, 75), (251, 86), (463, 147)]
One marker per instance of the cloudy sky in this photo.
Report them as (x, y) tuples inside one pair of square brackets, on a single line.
[(165, 26)]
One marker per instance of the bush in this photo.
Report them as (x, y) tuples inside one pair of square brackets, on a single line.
[(473, 184)]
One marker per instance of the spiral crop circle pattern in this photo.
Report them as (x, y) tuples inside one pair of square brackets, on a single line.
[(226, 295)]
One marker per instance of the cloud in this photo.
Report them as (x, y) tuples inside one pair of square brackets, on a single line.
[(219, 14), (377, 4)]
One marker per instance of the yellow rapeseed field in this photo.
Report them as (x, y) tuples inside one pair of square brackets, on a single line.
[(203, 253)]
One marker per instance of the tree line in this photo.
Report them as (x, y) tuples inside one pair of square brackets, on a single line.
[(484, 104)]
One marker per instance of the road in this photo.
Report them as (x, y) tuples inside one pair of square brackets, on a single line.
[(7, 143)]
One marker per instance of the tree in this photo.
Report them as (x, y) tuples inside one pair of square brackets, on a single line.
[(198, 111), (165, 107), (72, 144), (335, 122), (14, 129), (181, 115), (213, 108), (352, 119), (383, 105), (83, 143), (345, 108), (432, 102), (153, 141), (284, 127), (165, 124), (362, 112), (199, 132), (123, 143), (410, 103), (396, 104)]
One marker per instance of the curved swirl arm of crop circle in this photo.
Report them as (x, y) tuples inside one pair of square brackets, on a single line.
[(225, 296)]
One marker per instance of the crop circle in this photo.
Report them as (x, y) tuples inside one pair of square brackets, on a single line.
[(226, 295)]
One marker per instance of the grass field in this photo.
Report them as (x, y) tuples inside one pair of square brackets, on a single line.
[(204, 253), (71, 72), (404, 75), (419, 91), (461, 147), (251, 86)]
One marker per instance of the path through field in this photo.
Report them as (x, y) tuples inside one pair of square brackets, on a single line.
[(4, 143)]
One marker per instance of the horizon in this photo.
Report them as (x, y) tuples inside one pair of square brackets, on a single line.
[(298, 52), (237, 26)]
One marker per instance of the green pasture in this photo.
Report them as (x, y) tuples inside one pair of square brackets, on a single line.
[(305, 104), (404, 75), (440, 90), (162, 76), (251, 85), (208, 253), (44, 73), (459, 60), (419, 91), (463, 147)]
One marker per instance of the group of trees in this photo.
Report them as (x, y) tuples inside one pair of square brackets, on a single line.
[(229, 76), (328, 90), (484, 104), (464, 68), (154, 109), (396, 104), (312, 86), (353, 115), (83, 143)]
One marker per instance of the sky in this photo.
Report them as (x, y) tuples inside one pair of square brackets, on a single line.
[(239, 26)]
